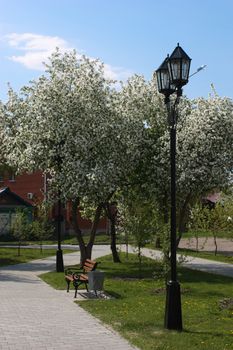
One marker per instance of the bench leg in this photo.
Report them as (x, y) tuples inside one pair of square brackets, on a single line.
[(76, 285), (76, 290), (68, 286)]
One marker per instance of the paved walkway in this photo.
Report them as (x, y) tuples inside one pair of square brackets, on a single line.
[(34, 316), (200, 264), (206, 244)]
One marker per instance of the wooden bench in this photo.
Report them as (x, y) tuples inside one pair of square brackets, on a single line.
[(79, 278)]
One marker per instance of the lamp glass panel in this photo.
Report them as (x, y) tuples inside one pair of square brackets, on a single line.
[(185, 69), (158, 75), (175, 67), (165, 80)]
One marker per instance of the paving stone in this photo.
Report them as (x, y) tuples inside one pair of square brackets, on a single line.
[(34, 316)]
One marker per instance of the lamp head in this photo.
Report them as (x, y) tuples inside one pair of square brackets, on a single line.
[(163, 79), (179, 66)]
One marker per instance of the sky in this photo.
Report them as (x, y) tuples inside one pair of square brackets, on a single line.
[(129, 36)]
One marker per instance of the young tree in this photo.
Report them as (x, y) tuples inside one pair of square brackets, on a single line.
[(216, 220), (199, 221), (20, 226), (41, 227), (137, 217), (220, 220)]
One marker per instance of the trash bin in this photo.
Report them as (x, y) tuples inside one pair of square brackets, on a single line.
[(95, 280)]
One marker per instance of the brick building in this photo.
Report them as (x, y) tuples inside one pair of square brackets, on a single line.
[(32, 187)]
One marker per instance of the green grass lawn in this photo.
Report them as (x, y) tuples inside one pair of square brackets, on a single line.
[(137, 311), (9, 256), (101, 238)]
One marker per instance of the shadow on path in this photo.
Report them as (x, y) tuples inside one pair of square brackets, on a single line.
[(21, 279)]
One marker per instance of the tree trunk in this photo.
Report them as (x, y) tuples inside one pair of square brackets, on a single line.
[(115, 254), (19, 245), (197, 244), (78, 232), (165, 210), (85, 250), (183, 217), (216, 246), (163, 207), (157, 242), (140, 260), (111, 214), (94, 229), (127, 247)]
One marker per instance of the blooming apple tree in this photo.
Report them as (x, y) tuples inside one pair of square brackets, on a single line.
[(204, 147), (69, 124), (204, 152)]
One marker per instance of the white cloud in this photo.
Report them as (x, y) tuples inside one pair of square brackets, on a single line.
[(32, 60), (116, 73), (35, 49), (34, 42)]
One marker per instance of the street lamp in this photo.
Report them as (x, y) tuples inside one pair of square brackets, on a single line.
[(172, 75)]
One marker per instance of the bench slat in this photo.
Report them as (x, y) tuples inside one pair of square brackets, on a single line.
[(89, 265)]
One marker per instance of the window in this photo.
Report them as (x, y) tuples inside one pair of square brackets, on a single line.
[(12, 177), (30, 195)]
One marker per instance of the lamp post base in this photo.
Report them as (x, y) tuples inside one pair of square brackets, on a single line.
[(59, 261), (173, 315)]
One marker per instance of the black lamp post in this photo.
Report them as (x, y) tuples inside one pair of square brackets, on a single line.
[(59, 219), (171, 76), (59, 216)]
